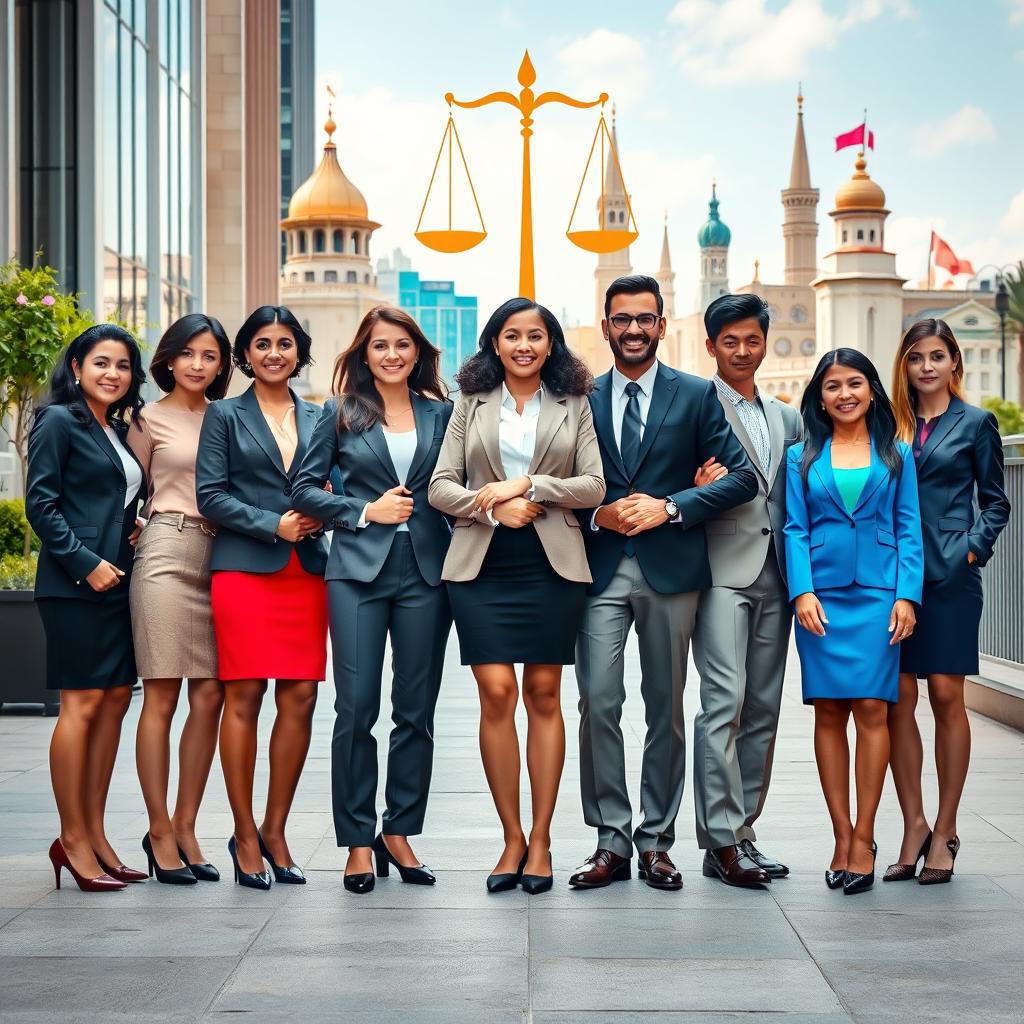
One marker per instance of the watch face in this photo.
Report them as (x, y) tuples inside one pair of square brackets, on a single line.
[(671, 508)]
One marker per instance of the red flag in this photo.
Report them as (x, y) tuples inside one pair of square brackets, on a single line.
[(943, 256), (855, 138)]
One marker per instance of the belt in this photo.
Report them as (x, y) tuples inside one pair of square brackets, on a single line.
[(183, 522)]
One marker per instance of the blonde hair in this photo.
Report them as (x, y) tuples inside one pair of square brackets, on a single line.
[(904, 395)]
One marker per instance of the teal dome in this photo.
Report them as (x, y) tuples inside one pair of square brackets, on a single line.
[(714, 233)]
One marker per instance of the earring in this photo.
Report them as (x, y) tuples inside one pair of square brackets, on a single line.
[(78, 381)]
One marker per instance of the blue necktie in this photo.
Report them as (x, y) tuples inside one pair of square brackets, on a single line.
[(629, 445)]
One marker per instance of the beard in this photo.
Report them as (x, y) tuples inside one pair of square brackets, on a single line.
[(635, 355)]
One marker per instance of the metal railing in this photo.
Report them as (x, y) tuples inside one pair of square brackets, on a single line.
[(1002, 622)]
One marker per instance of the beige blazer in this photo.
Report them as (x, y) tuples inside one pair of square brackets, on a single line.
[(566, 472)]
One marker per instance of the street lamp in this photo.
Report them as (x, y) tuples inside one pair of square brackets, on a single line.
[(1002, 308)]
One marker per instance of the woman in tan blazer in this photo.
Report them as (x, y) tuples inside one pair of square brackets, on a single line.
[(519, 455)]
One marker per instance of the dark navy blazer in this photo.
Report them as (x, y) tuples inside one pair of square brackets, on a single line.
[(75, 503), (962, 456), (878, 545), (685, 426), (366, 471), (242, 486)]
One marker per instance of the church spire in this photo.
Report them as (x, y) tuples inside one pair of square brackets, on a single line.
[(799, 207), (665, 276), (613, 185)]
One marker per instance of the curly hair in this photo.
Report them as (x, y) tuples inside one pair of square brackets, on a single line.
[(563, 372)]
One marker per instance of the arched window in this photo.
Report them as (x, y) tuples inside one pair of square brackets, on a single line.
[(860, 234), (872, 235), (611, 217), (622, 216), (355, 242), (319, 240), (338, 240), (302, 241), (846, 235), (366, 278)]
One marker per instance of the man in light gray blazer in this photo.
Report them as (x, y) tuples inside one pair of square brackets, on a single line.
[(743, 622)]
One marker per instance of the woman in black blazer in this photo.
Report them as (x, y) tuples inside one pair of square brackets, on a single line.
[(82, 497), (959, 458), (383, 435), (268, 597)]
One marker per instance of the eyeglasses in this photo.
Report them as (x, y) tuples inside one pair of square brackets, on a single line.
[(645, 321)]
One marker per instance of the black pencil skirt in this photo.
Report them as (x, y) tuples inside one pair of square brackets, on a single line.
[(518, 610)]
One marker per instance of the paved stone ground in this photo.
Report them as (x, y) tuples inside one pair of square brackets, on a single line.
[(453, 954)]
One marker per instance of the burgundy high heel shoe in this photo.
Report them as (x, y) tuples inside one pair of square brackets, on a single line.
[(60, 859), (123, 873)]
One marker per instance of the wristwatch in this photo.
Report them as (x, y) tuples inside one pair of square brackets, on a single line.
[(671, 508)]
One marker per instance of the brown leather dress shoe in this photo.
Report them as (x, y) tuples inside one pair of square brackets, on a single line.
[(601, 868), (732, 866), (658, 871)]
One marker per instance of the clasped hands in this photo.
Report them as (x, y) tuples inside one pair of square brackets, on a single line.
[(505, 500), (636, 513), (295, 526)]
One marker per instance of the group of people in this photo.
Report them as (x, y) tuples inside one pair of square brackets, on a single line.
[(545, 513)]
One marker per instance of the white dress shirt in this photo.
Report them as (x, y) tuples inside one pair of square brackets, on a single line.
[(517, 438), (619, 400), (753, 418), (401, 448), (132, 472)]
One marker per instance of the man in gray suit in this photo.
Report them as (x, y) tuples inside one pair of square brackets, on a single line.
[(743, 622)]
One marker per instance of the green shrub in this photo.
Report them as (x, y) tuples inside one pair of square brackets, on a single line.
[(12, 527), (17, 573)]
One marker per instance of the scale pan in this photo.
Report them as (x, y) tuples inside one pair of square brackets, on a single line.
[(602, 241), (451, 241)]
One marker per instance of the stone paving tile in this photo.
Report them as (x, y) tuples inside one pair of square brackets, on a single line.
[(683, 1017)]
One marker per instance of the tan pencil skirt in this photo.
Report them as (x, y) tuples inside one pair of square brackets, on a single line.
[(170, 599)]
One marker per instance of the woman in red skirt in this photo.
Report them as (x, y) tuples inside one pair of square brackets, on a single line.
[(268, 593)]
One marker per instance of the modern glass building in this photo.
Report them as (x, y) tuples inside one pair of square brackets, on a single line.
[(298, 145), (447, 319)]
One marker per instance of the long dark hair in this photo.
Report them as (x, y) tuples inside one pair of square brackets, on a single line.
[(264, 316), (175, 340), (563, 372), (65, 391), (881, 421), (360, 405)]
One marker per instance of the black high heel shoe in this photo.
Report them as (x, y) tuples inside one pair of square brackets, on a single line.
[(169, 876), (360, 882), (935, 876), (835, 879), (535, 884), (855, 882), (906, 872), (204, 872), (289, 876), (507, 879), (248, 880), (419, 875)]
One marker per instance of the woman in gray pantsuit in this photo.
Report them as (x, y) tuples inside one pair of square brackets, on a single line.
[(383, 434)]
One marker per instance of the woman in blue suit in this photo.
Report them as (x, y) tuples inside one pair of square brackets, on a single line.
[(855, 568), (383, 435), (958, 455)]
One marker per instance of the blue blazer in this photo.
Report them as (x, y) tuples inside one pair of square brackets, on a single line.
[(878, 546), (242, 486), (364, 472), (75, 503), (685, 426), (963, 455)]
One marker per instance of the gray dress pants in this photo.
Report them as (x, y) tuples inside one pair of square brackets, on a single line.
[(664, 623), (417, 615), (739, 648)]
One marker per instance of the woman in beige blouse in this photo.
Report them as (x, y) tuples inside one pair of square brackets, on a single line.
[(170, 595)]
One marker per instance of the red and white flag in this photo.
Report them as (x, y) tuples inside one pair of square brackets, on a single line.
[(855, 137), (943, 256)]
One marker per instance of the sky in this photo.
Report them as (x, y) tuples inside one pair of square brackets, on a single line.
[(703, 89)]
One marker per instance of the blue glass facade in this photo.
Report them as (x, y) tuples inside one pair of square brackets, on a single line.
[(447, 319)]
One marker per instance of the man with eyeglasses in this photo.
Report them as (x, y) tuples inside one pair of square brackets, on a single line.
[(661, 433)]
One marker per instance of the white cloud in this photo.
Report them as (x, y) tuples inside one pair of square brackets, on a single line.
[(969, 126), (909, 238), (1016, 8), (732, 41), (605, 61), (1013, 222)]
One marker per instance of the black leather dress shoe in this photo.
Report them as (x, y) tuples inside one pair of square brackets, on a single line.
[(601, 868), (731, 865), (655, 867), (773, 867)]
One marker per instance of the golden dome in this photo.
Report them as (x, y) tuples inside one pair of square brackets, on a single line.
[(860, 192), (327, 194)]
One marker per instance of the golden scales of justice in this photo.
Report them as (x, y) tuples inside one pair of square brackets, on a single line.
[(453, 240)]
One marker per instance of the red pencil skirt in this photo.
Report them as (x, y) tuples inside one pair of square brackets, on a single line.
[(270, 625)]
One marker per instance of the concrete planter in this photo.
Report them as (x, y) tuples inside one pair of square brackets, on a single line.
[(23, 653)]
